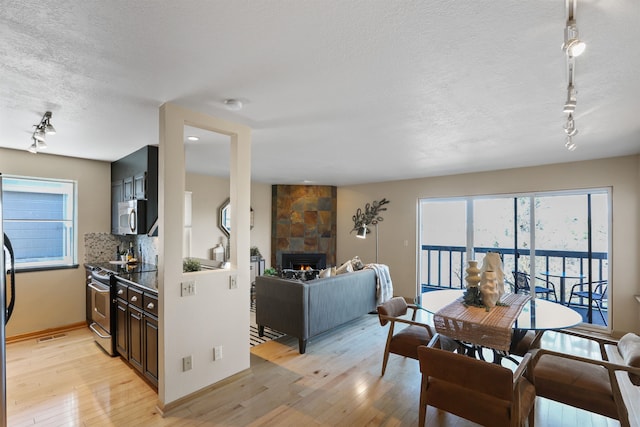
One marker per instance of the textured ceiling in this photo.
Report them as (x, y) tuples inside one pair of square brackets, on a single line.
[(336, 91)]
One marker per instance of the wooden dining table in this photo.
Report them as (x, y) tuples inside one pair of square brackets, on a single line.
[(470, 325)]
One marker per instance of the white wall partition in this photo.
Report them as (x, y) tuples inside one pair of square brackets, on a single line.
[(216, 315)]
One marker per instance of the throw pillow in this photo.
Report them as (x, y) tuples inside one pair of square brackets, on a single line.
[(345, 268), (325, 273), (629, 347), (357, 263)]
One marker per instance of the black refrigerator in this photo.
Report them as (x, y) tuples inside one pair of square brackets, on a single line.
[(7, 261)]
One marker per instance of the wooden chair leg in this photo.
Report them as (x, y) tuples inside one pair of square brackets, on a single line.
[(422, 418), (385, 359)]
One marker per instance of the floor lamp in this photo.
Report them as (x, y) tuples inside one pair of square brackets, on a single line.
[(362, 234)]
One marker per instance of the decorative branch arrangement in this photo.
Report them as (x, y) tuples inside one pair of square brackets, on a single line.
[(370, 215)]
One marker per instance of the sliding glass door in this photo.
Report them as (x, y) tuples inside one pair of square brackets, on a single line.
[(559, 239)]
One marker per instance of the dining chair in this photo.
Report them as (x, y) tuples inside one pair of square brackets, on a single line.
[(599, 295), (606, 386), (522, 281), (479, 391), (404, 341)]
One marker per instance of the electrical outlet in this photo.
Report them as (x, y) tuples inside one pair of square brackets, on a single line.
[(217, 352), (188, 288), (187, 363), (233, 282)]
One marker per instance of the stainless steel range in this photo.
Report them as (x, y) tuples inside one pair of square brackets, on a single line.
[(101, 298), (102, 317)]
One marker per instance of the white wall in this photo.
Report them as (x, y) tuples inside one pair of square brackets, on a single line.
[(216, 315), (208, 193), (56, 298), (261, 233), (400, 219)]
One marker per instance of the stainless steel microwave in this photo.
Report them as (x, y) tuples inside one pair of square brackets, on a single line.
[(132, 217)]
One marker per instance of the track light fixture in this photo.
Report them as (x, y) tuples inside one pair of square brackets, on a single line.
[(570, 127), (42, 129), (572, 47)]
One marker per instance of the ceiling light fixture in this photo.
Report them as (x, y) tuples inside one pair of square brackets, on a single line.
[(193, 138), (42, 129), (233, 104), (572, 47)]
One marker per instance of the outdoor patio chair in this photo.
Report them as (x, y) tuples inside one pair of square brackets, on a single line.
[(522, 282), (479, 391), (600, 293)]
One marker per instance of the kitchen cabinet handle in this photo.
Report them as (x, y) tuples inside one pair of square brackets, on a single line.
[(150, 306), (134, 298), (120, 291)]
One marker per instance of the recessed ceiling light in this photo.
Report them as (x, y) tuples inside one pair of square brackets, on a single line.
[(233, 104), (193, 138)]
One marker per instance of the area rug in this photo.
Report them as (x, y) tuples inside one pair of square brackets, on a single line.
[(269, 334)]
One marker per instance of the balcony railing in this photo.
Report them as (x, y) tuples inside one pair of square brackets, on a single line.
[(444, 267)]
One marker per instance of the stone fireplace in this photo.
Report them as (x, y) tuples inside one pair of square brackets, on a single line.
[(304, 219)]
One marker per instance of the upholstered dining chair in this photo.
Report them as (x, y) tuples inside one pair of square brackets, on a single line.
[(607, 387), (479, 391), (403, 341)]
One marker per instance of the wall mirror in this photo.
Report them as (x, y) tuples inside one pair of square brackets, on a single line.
[(224, 217), (207, 173)]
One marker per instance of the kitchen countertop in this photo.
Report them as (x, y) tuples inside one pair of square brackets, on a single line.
[(145, 275), (145, 279), (121, 268)]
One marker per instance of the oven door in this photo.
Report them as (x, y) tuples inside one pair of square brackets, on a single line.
[(101, 314)]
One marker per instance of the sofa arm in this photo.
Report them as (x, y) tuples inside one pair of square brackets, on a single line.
[(282, 305)]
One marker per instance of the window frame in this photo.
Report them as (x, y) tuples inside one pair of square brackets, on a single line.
[(70, 240)]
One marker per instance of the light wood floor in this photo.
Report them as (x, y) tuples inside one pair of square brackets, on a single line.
[(69, 381)]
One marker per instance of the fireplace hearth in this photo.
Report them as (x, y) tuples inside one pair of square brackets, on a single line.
[(301, 261)]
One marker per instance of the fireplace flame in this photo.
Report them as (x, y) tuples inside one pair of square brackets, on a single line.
[(305, 267)]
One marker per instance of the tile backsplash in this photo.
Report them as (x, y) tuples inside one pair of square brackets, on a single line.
[(101, 247)]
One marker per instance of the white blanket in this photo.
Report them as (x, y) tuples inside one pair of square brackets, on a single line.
[(384, 287)]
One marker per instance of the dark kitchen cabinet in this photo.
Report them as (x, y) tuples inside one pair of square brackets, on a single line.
[(150, 364), (117, 196), (135, 337), (137, 328), (140, 186), (122, 330), (135, 177)]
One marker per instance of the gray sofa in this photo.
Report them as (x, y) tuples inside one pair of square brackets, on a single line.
[(306, 309)]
